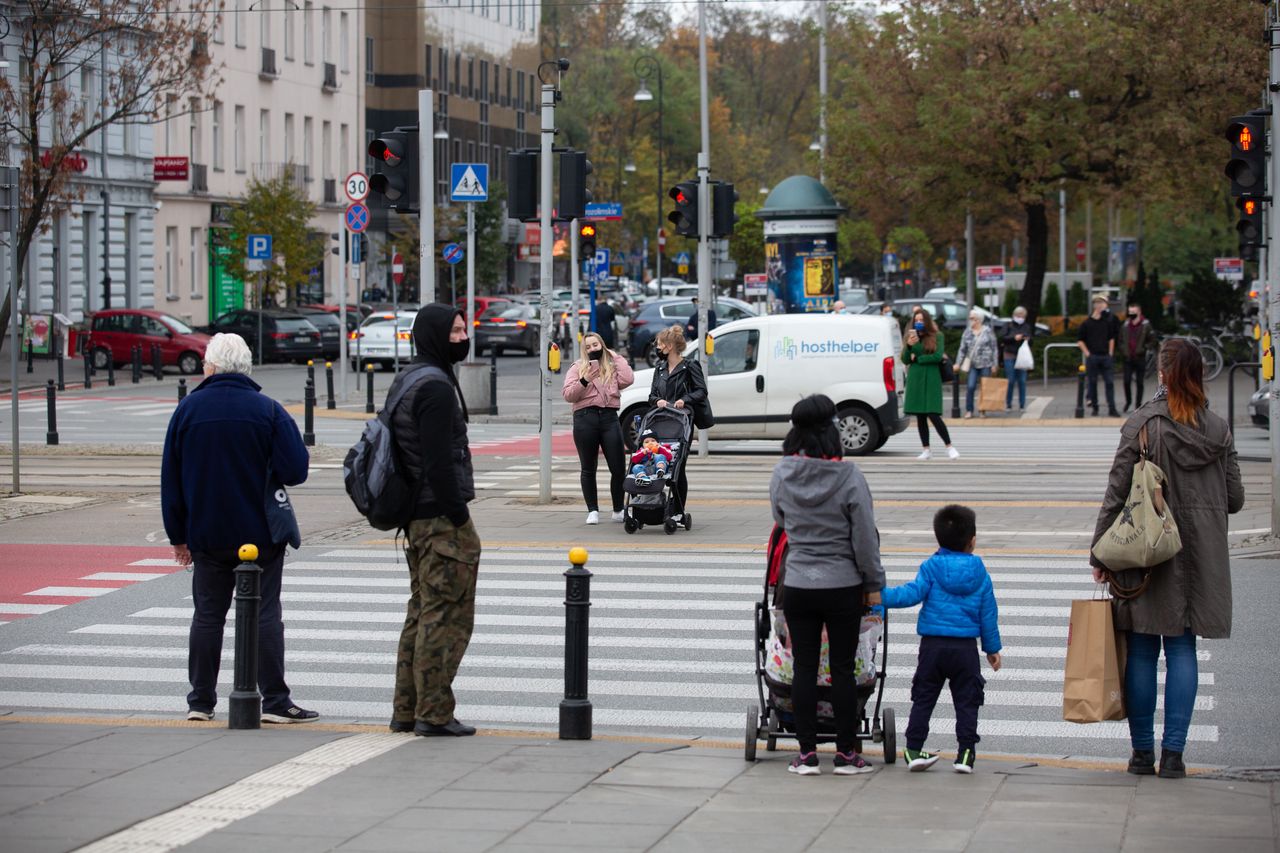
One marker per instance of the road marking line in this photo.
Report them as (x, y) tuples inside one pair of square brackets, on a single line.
[(14, 607), (156, 561), (124, 576), (249, 796), (73, 591)]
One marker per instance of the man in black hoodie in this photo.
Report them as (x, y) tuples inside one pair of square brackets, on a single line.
[(442, 547)]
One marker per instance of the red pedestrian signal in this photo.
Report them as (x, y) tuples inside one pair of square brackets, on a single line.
[(1247, 167)]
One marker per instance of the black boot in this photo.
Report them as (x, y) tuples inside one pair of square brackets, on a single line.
[(453, 728), (1171, 766), (1143, 762), (401, 726)]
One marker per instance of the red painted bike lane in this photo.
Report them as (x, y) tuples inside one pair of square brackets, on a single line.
[(36, 579)]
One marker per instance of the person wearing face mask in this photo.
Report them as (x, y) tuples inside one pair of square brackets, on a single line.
[(923, 351), (680, 383), (1010, 342), (593, 387), (1136, 340), (442, 546)]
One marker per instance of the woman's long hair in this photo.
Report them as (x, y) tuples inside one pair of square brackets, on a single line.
[(929, 340), (1182, 369), (606, 360), (813, 429)]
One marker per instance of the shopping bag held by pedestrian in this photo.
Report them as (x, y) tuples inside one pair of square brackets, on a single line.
[(1144, 534), (1093, 683), (281, 521), (1025, 360), (991, 394)]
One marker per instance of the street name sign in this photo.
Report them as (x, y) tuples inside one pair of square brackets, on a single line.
[(600, 211), (1229, 269), (990, 276)]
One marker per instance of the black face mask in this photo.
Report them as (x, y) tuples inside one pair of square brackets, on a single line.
[(596, 355), (458, 350)]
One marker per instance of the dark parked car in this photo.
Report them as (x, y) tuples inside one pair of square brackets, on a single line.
[(657, 314), (287, 335), (113, 334), (948, 314), (330, 326), (508, 325)]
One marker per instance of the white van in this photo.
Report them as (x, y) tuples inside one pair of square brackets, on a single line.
[(763, 365)]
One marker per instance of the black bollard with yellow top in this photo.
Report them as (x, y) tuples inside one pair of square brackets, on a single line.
[(575, 708), (246, 702)]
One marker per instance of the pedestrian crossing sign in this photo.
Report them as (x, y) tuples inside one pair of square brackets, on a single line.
[(469, 182)]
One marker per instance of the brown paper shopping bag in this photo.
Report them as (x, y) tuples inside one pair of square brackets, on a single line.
[(1093, 686), (991, 394)]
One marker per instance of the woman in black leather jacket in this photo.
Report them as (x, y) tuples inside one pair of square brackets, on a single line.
[(677, 382)]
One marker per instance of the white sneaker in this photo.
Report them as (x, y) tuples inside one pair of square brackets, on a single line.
[(926, 455), (952, 453), (619, 516), (593, 517)]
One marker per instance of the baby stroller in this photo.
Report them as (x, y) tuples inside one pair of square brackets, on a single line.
[(777, 720), (657, 501)]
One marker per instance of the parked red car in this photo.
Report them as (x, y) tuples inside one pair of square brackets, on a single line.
[(483, 304), (114, 333)]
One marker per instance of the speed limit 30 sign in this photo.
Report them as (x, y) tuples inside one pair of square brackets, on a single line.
[(357, 186)]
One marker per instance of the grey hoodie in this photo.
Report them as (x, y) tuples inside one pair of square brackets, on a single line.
[(825, 507)]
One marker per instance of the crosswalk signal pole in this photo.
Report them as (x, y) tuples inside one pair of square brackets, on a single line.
[(544, 291)]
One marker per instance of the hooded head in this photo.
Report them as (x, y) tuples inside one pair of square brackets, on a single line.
[(431, 331)]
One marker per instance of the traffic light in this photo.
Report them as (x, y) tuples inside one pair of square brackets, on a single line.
[(685, 216), (364, 247), (1249, 227), (335, 237), (1247, 168), (395, 154), (574, 195), (522, 185), (587, 242), (723, 216)]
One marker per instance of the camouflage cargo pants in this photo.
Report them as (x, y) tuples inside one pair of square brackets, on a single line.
[(443, 560)]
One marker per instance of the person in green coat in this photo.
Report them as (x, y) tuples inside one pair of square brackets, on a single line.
[(923, 351)]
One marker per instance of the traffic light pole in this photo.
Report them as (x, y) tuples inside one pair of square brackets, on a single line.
[(704, 210), (575, 283), (544, 292), (1273, 256), (471, 280), (342, 316), (426, 197)]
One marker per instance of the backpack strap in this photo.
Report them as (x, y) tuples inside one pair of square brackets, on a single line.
[(411, 379)]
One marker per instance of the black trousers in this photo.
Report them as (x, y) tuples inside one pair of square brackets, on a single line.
[(1095, 366), (840, 610), (1134, 370), (213, 582), (952, 660), (922, 424), (594, 429)]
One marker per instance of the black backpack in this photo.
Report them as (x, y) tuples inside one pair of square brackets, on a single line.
[(378, 485)]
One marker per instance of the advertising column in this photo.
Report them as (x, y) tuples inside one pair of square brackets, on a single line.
[(800, 258)]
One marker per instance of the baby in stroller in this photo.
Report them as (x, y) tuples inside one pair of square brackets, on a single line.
[(651, 461)]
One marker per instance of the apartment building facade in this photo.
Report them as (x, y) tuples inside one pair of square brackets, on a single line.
[(290, 105)]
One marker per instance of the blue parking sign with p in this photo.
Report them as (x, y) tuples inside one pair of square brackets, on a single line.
[(260, 247)]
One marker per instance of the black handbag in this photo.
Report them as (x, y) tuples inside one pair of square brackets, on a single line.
[(947, 370)]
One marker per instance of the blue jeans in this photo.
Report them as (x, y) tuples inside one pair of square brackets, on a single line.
[(975, 373), (1016, 378), (1181, 681)]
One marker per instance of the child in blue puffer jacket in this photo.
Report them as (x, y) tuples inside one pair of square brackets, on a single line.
[(959, 605)]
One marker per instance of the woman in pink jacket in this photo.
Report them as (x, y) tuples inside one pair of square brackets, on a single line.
[(594, 386)]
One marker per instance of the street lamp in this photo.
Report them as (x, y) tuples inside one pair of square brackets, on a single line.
[(648, 66), (630, 167)]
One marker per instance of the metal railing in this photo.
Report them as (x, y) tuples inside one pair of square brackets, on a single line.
[(1044, 356), (268, 70), (294, 173)]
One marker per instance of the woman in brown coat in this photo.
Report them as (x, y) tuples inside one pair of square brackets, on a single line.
[(1190, 595)]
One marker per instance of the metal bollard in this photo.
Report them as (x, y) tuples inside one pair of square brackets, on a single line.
[(136, 352), (575, 708), (51, 397), (31, 357), (182, 390), (368, 405), (88, 374), (311, 370), (62, 383), (157, 362), (493, 381), (111, 371), (1080, 391), (309, 416), (955, 397), (246, 703), (328, 370)]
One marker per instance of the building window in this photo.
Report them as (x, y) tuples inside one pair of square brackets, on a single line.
[(216, 35), (457, 74), (88, 99), (443, 83), (264, 27), (520, 20), (288, 138), (344, 38), (237, 22), (471, 78), (506, 99), (290, 24), (326, 147), (326, 49), (216, 121), (193, 258), (131, 247), (344, 152), (170, 261), (483, 94), (89, 257), (195, 135), (519, 90), (497, 79), (368, 61), (308, 32), (264, 135), (239, 132), (308, 151)]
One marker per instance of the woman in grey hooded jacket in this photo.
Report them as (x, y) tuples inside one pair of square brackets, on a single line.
[(833, 570)]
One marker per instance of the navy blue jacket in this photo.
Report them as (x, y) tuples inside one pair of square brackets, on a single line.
[(958, 599), (221, 440)]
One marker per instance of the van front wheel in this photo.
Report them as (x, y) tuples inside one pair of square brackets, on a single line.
[(859, 431)]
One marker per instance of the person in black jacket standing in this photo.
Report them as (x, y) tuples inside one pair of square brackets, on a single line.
[(442, 546), (678, 382), (1097, 340)]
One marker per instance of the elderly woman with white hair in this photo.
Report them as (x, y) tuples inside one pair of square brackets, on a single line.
[(977, 356), (228, 450)]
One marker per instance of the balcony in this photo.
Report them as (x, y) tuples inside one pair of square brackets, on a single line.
[(330, 77), (268, 71), (330, 190), (293, 173), (199, 178)]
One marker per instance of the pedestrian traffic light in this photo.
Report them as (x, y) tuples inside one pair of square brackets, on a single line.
[(574, 195), (395, 155), (364, 247), (336, 238), (522, 185), (685, 216), (723, 215), (1247, 167), (587, 241), (1249, 227)]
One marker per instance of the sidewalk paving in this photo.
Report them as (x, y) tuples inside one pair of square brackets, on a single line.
[(146, 785)]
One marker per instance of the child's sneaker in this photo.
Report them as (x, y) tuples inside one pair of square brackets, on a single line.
[(805, 764), (918, 759), (964, 761), (851, 764)]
